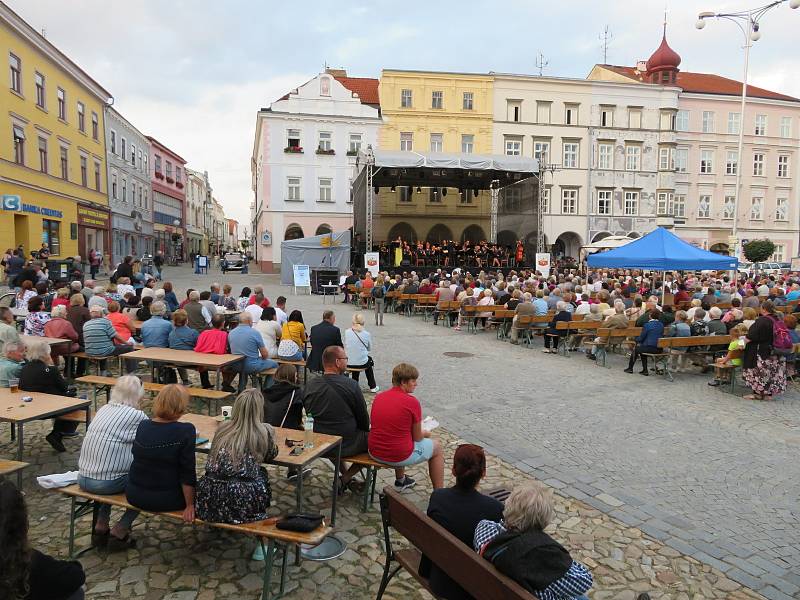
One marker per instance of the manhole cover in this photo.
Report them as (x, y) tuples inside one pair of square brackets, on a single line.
[(458, 354)]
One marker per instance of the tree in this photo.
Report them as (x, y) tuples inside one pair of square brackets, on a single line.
[(245, 244), (758, 250)]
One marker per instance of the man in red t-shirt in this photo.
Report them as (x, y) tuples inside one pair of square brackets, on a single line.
[(396, 437), (258, 289)]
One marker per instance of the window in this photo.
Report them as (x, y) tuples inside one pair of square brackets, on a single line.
[(61, 96), (466, 196), (324, 141), (761, 125), (679, 205), (97, 176), (731, 162), (635, 118), (781, 209), (84, 172), (667, 121), (779, 253), (437, 99), (124, 145), (96, 127), (325, 189), (569, 202), (541, 151), (40, 93), (64, 164), (434, 195), (114, 186), (729, 207), (405, 98), (140, 159), (294, 189), (140, 195), (633, 157), (704, 207), (124, 190), (631, 205), (570, 114), (606, 117), (113, 142), (325, 86), (145, 198), (682, 120), (467, 143), (514, 110), (605, 156), (355, 143), (570, 155), (756, 208), (706, 161), (177, 174), (133, 154), (514, 147), (664, 163), (50, 236), (158, 164), (543, 112), (758, 164), (81, 117), (405, 194), (145, 163), (407, 141), (15, 69), (467, 103), (786, 127), (604, 198), (436, 142), (169, 169), (708, 121), (663, 203), (19, 145), (43, 155), (545, 200), (783, 165), (293, 138), (681, 159), (734, 122)]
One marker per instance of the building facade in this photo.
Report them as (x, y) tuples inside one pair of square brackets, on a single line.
[(425, 112), (198, 207), (218, 229), (304, 154), (52, 153), (169, 200), (707, 161), (232, 238), (129, 188)]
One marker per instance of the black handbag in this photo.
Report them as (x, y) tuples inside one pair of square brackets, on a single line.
[(300, 522)]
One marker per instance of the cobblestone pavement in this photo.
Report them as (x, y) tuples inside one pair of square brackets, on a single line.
[(673, 488)]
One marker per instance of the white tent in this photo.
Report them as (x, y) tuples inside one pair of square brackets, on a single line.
[(328, 251)]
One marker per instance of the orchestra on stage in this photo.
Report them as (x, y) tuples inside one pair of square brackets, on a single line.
[(449, 253)]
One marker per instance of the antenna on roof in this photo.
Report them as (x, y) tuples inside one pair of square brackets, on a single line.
[(44, 33), (605, 42), (541, 63)]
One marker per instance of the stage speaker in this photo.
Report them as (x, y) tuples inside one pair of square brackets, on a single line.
[(320, 277)]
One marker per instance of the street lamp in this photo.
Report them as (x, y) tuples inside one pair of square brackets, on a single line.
[(748, 22)]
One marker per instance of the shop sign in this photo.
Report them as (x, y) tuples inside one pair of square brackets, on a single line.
[(92, 217), (14, 202)]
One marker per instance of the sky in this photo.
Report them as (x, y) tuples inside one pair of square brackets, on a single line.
[(194, 73)]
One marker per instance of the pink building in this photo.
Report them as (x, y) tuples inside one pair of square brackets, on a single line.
[(169, 199)]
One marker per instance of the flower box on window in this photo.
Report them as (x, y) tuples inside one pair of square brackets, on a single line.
[(159, 175), (293, 149), (180, 185), (352, 153), (170, 179), (330, 152)]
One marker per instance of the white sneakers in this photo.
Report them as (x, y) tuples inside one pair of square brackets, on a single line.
[(375, 390)]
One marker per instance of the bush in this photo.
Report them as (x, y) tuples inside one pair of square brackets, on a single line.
[(758, 250)]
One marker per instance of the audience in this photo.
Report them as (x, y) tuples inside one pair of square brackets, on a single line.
[(358, 345), (121, 322), (59, 327), (270, 331), (293, 338), (8, 330), (283, 400), (156, 330), (212, 341), (323, 335), (11, 362), (647, 342), (36, 318), (182, 338), (245, 340), (102, 340)]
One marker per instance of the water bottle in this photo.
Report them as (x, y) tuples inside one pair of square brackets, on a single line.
[(308, 425)]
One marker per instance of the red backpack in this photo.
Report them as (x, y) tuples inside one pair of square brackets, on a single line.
[(781, 341)]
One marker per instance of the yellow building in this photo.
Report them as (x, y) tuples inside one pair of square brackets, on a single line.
[(426, 112), (52, 147)]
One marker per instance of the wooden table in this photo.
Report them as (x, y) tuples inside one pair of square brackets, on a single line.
[(188, 358), (13, 410), (48, 340), (7, 467), (206, 427)]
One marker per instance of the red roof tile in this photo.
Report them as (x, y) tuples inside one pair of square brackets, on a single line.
[(365, 87), (705, 83)]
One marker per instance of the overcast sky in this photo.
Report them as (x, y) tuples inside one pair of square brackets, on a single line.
[(193, 73)]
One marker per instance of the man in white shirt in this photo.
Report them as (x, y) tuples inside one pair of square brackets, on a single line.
[(255, 309), (280, 310)]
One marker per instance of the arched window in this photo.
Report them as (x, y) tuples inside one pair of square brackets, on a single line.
[(293, 232)]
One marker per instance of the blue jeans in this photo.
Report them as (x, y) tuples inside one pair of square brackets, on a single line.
[(107, 487), (254, 365), (296, 356)]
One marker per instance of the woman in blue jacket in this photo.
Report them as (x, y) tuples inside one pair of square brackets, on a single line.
[(647, 342)]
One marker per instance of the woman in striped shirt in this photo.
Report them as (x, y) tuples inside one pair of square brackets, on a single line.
[(106, 458)]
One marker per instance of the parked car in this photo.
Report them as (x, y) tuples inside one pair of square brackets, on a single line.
[(232, 261)]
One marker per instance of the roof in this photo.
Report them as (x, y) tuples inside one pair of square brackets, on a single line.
[(165, 148), (705, 83), (365, 87)]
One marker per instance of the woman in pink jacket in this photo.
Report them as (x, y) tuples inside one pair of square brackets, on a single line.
[(59, 327)]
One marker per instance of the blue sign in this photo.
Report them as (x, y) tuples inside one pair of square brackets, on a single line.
[(13, 202)]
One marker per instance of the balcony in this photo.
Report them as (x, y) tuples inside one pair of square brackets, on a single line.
[(323, 152), (293, 150)]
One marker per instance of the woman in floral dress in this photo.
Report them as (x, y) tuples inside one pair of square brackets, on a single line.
[(764, 372), (37, 317), (235, 487)]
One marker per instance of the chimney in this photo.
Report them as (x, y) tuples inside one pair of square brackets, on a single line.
[(336, 72), (641, 66)]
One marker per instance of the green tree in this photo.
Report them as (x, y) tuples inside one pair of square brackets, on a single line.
[(758, 250)]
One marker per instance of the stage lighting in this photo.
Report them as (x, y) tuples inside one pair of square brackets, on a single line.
[(419, 190), (393, 189)]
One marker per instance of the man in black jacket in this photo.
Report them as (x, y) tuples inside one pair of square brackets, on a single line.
[(323, 334)]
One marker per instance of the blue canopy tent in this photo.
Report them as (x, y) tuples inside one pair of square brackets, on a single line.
[(662, 250)]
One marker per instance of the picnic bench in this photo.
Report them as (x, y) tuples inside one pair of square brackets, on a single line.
[(464, 566), (444, 309), (695, 346), (609, 338), (82, 503)]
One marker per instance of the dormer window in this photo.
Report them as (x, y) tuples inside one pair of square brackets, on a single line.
[(325, 86)]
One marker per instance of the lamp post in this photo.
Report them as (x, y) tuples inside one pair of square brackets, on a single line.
[(748, 22)]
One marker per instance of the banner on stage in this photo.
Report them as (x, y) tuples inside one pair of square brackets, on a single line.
[(543, 263), (372, 263), (302, 276)]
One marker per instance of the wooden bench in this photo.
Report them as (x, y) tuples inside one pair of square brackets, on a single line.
[(95, 360), (296, 363), (84, 503), (425, 305), (708, 345), (371, 465), (444, 309), (261, 377), (729, 370), (464, 566), (608, 338), (98, 382)]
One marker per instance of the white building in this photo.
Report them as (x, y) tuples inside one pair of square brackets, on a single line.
[(303, 158), (198, 208)]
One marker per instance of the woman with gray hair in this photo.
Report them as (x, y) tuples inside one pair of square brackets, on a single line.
[(519, 548), (59, 327), (106, 457), (553, 335)]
